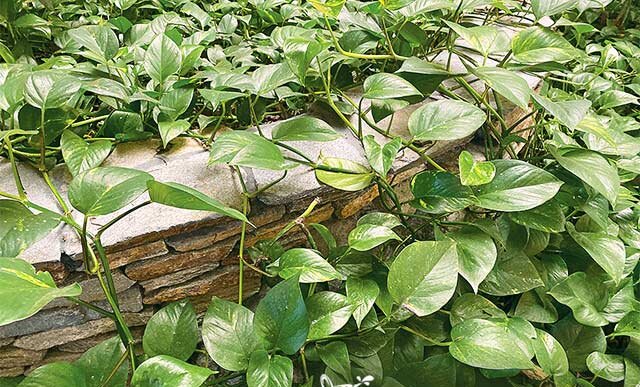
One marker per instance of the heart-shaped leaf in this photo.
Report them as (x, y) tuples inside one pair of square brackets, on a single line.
[(475, 172), (172, 331), (445, 120), (80, 155)]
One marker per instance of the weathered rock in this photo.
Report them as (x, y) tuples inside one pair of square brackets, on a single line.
[(43, 321), (11, 357), (58, 270), (50, 339), (54, 356), (6, 341), (11, 372), (130, 301), (81, 346), (137, 253), (91, 290), (170, 263), (222, 283), (178, 277), (356, 202), (205, 237)]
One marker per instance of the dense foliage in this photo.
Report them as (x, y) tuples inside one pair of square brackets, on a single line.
[(515, 271)]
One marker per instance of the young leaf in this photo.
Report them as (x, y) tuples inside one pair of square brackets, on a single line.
[(304, 128), (440, 192), (228, 334), (586, 296), (490, 344), (387, 86), (538, 45), (181, 196), (25, 291), (445, 120), (336, 356), (367, 236), (306, 264), (328, 312), (104, 190), (328, 7), (246, 149), (507, 83), (476, 254), (80, 155), (359, 179), (170, 371), (99, 362), (101, 41), (381, 157), (361, 294), (172, 129), (424, 276), (605, 366), (569, 113), (475, 172), (269, 371), (299, 52), (172, 331), (518, 186), (20, 228), (606, 250), (48, 89), (552, 359), (484, 39), (281, 319), (56, 374), (162, 58)]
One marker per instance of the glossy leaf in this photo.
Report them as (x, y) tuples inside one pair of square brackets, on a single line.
[(21, 228), (99, 362), (328, 312), (25, 291), (606, 250), (367, 236), (359, 177), (537, 45), (606, 366), (56, 374), (547, 217), (506, 83), (307, 265), (172, 331), (629, 325), (569, 113), (246, 149), (381, 158), (475, 172), (361, 294), (552, 358), (304, 128), (269, 371), (578, 341), (80, 155), (423, 276), (476, 254), (49, 89), (172, 129), (162, 58), (484, 39), (228, 334), (169, 372), (445, 120), (387, 86), (513, 273), (99, 40), (440, 192)]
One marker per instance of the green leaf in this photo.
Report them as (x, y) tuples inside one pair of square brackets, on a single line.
[(328, 312), (172, 331), (104, 190), (586, 296), (269, 371), (445, 120), (169, 372), (605, 366), (440, 192), (307, 265), (21, 228), (569, 113), (628, 326), (228, 334), (536, 306), (80, 155), (304, 128), (591, 168), (513, 273), (367, 236), (328, 7), (336, 356), (387, 86), (440, 370), (548, 217), (506, 83), (246, 149), (124, 126), (361, 294), (491, 344), (49, 89), (217, 97), (381, 157), (538, 45), (162, 58), (56, 374), (25, 291), (100, 361), (606, 250), (484, 39), (299, 52), (380, 219), (578, 341), (475, 172), (181, 196), (281, 319), (424, 276), (469, 306), (360, 177), (552, 358), (267, 78), (542, 8), (101, 41), (518, 186), (172, 129), (476, 254)]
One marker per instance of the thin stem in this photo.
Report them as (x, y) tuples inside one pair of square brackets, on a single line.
[(54, 190), (42, 141), (88, 305), (420, 335), (14, 169), (116, 368), (120, 217), (245, 209)]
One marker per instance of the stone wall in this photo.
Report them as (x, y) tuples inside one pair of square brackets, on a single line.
[(160, 254)]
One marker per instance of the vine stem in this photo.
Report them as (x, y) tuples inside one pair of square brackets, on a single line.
[(243, 232)]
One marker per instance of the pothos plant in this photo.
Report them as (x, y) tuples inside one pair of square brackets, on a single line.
[(518, 270)]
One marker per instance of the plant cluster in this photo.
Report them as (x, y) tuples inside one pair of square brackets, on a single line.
[(532, 282)]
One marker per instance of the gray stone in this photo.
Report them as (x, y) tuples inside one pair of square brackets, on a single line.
[(43, 321), (50, 339), (91, 290), (130, 301), (84, 345), (178, 277)]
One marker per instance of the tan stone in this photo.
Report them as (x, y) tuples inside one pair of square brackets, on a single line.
[(54, 356), (205, 237), (137, 253), (172, 262), (222, 283), (91, 290), (81, 346), (50, 339), (179, 276), (11, 357), (357, 202), (58, 270), (11, 372)]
